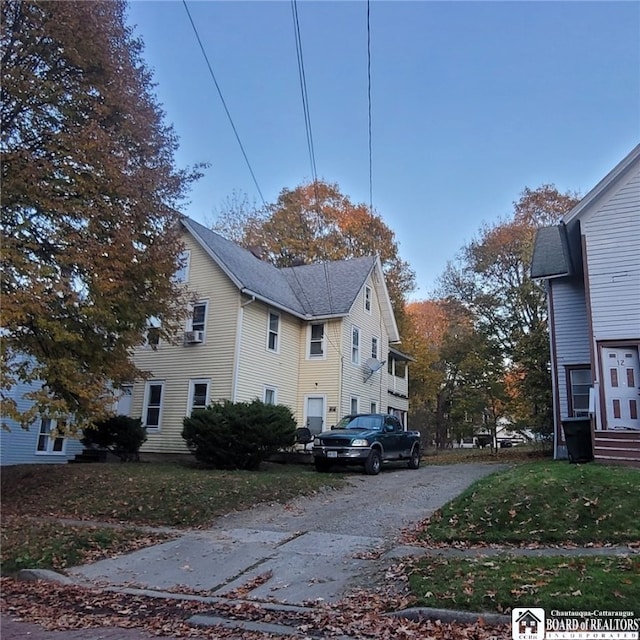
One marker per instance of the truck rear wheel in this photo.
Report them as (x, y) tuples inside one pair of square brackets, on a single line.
[(414, 458), (373, 463)]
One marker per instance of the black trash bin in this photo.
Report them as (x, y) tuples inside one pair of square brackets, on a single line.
[(577, 435)]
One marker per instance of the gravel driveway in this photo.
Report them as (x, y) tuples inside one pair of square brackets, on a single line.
[(377, 506), (313, 548)]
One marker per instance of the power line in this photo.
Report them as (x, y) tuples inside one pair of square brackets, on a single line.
[(369, 102), (224, 104), (303, 91)]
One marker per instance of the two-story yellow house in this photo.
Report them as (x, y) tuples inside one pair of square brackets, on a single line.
[(314, 337)]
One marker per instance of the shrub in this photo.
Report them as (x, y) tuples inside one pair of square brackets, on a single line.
[(240, 435), (121, 435)]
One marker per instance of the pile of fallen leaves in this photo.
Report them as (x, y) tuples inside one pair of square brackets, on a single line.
[(362, 615)]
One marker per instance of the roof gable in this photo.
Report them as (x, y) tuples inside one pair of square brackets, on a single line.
[(605, 185), (309, 291)]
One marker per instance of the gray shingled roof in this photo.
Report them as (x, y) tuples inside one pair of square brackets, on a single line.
[(314, 290), (551, 253)]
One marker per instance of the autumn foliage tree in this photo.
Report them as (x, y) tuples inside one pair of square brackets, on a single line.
[(88, 195), (315, 222), (491, 279)]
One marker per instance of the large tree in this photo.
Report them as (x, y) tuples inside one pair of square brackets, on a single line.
[(316, 222), (89, 191), (491, 278)]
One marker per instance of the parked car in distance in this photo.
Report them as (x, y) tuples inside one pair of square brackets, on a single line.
[(505, 444), (369, 440)]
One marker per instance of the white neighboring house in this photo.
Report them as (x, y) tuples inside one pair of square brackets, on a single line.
[(591, 265), (317, 338)]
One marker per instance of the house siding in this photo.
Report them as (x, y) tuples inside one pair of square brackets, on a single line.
[(18, 445), (370, 325), (259, 366), (612, 240), (571, 332), (320, 377), (177, 364)]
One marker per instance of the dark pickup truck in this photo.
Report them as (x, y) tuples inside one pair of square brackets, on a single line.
[(367, 439)]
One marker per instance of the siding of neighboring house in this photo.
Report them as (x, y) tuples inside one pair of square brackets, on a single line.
[(19, 446), (612, 233), (571, 332)]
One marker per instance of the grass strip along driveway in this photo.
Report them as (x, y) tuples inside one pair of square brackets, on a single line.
[(540, 508), (129, 496)]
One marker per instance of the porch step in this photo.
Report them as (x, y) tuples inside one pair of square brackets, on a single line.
[(90, 455)]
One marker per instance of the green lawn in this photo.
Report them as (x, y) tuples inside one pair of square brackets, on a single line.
[(131, 495), (545, 502), (535, 504)]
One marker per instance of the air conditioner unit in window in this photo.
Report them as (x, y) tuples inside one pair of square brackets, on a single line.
[(193, 337)]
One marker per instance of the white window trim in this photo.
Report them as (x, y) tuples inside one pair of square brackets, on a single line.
[(377, 340), (357, 401), (311, 356), (367, 299), (268, 387), (145, 408), (355, 349), (192, 383), (49, 451), (373, 405), (270, 313)]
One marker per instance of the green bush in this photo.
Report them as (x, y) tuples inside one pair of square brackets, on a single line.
[(240, 435), (121, 435)]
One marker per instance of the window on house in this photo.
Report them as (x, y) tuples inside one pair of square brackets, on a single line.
[(199, 316), (273, 331), (316, 344), (367, 299), (354, 404), (153, 332), (400, 369), (270, 395), (48, 440), (578, 388), (182, 272), (153, 404), (355, 345), (374, 407), (198, 395), (374, 347)]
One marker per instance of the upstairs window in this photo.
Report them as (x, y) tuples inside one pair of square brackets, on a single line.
[(374, 347), (355, 345), (199, 317), (367, 299), (316, 342), (182, 273), (273, 332)]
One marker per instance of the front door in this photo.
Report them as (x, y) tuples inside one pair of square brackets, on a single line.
[(315, 414), (621, 386)]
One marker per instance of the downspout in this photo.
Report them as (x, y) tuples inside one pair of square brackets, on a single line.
[(236, 364)]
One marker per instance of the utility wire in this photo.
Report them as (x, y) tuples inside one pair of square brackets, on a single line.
[(369, 103), (303, 90), (224, 104)]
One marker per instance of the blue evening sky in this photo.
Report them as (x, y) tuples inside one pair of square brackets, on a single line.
[(471, 102)]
